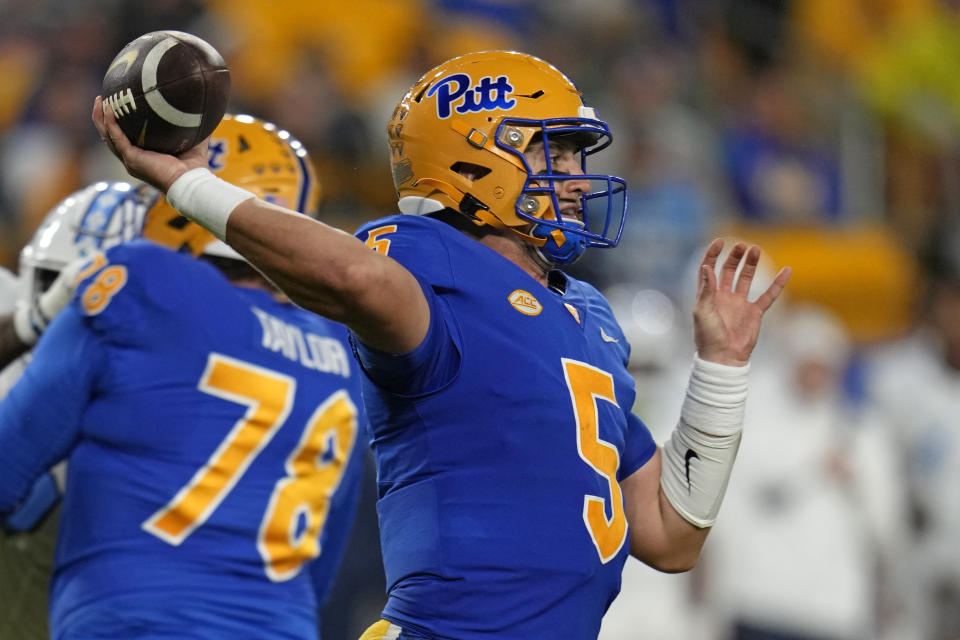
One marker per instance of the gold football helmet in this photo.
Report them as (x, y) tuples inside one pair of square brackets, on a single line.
[(457, 141), (254, 155)]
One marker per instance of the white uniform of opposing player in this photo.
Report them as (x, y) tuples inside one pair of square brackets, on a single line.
[(920, 395), (9, 292)]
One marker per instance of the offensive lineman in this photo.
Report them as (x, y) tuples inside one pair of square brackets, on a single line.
[(213, 430)]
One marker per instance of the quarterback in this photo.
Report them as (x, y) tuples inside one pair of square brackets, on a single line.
[(513, 479)]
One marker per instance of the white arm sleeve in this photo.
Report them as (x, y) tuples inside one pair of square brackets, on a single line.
[(699, 456)]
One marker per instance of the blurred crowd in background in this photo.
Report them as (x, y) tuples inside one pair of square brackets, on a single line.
[(828, 132)]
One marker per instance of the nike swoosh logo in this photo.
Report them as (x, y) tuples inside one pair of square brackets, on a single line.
[(126, 60), (688, 456), (605, 337)]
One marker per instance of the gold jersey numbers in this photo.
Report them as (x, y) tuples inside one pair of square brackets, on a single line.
[(377, 241)]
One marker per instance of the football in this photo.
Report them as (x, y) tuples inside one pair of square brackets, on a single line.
[(168, 90)]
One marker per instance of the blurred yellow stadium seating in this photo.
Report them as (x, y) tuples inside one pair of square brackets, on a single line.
[(862, 273), (360, 40)]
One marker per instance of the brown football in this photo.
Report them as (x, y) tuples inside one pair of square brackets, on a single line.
[(168, 89)]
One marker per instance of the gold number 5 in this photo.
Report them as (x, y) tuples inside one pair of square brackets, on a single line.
[(587, 385), (378, 243)]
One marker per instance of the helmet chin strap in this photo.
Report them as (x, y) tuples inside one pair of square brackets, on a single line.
[(560, 248)]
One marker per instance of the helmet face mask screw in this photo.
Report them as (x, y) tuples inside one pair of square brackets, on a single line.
[(513, 137), (529, 204)]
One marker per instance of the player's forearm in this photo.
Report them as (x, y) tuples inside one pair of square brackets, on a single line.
[(659, 536), (11, 346), (319, 267), (40, 417), (698, 458), (685, 540)]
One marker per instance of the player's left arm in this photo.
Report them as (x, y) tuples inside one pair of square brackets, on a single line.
[(659, 536), (39, 418), (674, 498), (42, 497)]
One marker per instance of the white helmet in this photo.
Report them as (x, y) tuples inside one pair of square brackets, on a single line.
[(94, 218), (9, 291)]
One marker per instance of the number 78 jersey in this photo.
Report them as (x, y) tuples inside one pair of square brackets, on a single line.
[(215, 442), (500, 506)]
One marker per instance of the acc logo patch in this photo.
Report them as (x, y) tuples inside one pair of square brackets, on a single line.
[(525, 303)]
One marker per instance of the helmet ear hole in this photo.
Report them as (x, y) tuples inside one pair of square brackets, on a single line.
[(469, 170), (44, 278), (178, 223)]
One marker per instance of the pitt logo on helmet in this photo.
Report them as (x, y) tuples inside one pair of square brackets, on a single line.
[(487, 95)]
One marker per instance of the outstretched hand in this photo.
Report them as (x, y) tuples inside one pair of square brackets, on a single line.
[(725, 324), (156, 169)]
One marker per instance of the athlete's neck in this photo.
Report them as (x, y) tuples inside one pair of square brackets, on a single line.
[(519, 253)]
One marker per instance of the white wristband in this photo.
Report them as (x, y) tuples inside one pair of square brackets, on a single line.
[(206, 199), (699, 456)]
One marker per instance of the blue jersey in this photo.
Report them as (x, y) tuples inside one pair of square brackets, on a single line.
[(499, 445), (215, 447)]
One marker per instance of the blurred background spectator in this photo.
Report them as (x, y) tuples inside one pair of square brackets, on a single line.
[(916, 382), (813, 526), (828, 132), (653, 605)]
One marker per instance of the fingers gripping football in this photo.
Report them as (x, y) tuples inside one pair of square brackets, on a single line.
[(164, 93), (157, 169), (168, 90)]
